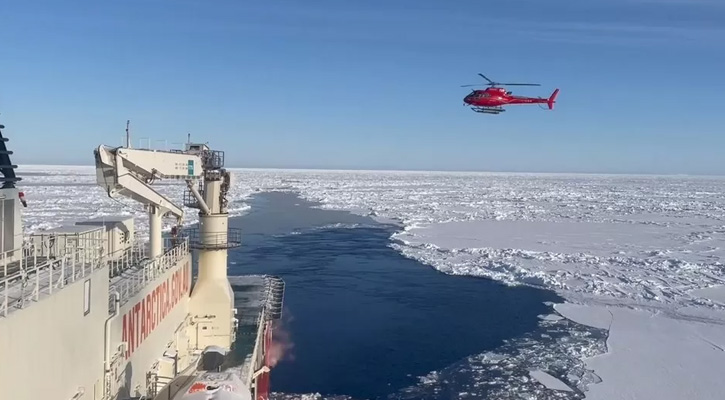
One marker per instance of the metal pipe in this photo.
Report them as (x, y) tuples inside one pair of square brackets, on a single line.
[(154, 231), (107, 333), (197, 196)]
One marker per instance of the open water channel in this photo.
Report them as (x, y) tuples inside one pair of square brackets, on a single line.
[(362, 321)]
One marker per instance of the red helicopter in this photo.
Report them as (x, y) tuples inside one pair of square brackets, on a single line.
[(492, 99)]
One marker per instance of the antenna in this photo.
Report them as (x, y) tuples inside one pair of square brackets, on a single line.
[(128, 135)]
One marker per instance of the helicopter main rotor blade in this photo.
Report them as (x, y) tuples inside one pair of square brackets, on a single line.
[(492, 83), (519, 84), (484, 77)]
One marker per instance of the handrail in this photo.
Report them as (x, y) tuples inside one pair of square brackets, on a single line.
[(266, 314), (133, 280), (259, 342), (123, 259), (231, 238), (27, 276), (34, 276)]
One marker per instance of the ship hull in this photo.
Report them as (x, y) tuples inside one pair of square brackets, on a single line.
[(131, 335), (149, 325), (52, 348), (262, 387)]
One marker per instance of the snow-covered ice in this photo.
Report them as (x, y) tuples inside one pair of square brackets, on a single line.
[(657, 356), (59, 195), (549, 381), (642, 256), (624, 260), (638, 259)]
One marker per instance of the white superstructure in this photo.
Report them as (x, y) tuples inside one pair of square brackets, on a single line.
[(89, 312)]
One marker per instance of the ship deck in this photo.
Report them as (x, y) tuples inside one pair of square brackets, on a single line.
[(257, 299), (132, 276), (30, 279)]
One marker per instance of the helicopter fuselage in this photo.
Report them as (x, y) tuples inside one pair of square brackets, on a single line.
[(494, 97)]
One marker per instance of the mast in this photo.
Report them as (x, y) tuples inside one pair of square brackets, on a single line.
[(128, 135)]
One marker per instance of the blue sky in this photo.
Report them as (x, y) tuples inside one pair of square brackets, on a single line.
[(371, 84)]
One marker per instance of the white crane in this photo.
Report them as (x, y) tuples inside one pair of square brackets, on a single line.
[(130, 172)]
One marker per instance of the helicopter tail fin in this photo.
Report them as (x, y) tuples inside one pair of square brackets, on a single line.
[(552, 99)]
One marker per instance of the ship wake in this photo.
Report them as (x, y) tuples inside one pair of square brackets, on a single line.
[(544, 364)]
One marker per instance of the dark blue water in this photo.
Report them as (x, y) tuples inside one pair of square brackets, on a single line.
[(366, 321)]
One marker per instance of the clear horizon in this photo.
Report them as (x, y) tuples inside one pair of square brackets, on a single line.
[(373, 170), (374, 85)]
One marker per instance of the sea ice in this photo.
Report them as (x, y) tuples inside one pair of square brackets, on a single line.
[(652, 243), (653, 356), (642, 253), (549, 381), (59, 195)]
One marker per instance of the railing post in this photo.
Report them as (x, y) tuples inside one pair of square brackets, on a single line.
[(62, 272), (37, 284), (50, 276), (5, 277), (73, 270)]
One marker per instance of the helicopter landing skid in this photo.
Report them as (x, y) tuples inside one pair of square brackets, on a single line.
[(488, 110)]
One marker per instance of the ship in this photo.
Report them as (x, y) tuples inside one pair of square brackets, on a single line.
[(92, 311)]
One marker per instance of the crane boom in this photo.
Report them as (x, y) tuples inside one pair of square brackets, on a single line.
[(130, 173)]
